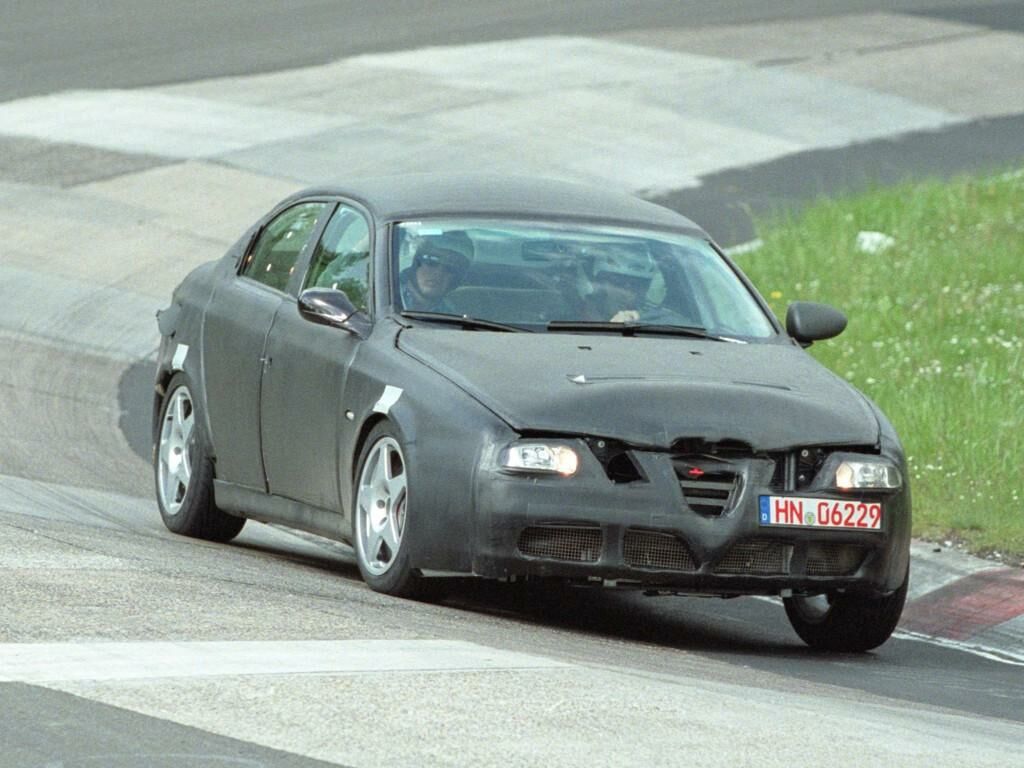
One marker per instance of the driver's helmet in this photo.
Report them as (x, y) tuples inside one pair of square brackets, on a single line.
[(450, 250), (624, 265)]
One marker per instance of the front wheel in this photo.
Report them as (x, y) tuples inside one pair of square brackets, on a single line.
[(847, 623), (184, 471), (381, 515)]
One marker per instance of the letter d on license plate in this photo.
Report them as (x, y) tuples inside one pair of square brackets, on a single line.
[(803, 512)]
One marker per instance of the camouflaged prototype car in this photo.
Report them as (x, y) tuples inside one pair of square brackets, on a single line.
[(522, 379)]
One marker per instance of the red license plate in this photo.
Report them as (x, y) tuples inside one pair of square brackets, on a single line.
[(803, 512)]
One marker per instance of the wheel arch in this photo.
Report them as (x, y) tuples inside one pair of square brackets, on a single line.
[(181, 327), (165, 372), (402, 420), (361, 437)]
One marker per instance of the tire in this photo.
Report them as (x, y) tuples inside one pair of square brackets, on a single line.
[(380, 515), (846, 623), (183, 470)]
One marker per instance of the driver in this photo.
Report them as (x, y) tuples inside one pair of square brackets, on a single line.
[(438, 266)]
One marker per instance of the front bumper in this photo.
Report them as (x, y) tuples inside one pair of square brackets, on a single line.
[(647, 534)]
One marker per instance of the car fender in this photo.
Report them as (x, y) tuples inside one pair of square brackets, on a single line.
[(891, 448), (445, 435)]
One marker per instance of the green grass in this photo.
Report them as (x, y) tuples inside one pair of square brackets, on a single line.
[(935, 336)]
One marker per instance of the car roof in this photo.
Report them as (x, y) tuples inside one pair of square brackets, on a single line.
[(393, 198)]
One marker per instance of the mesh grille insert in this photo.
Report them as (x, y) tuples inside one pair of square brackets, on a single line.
[(756, 558), (833, 559), (562, 542), (649, 549)]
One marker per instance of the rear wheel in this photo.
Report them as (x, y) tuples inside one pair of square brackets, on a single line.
[(381, 509), (184, 471), (844, 622)]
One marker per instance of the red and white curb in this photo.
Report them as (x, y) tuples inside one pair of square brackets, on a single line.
[(965, 602)]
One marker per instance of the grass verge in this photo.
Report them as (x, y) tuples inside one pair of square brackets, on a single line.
[(935, 336)]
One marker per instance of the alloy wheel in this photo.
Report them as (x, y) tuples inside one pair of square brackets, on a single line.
[(380, 506), (175, 451)]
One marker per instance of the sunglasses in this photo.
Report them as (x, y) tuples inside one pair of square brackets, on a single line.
[(437, 261)]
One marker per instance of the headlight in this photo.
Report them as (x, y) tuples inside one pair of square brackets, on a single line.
[(854, 475), (540, 457)]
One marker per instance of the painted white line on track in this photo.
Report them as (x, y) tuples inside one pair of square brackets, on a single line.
[(52, 662), (992, 654), (984, 651)]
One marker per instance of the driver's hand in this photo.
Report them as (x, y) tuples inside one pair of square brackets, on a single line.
[(626, 316)]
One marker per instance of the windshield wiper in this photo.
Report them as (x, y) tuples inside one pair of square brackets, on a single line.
[(633, 329), (467, 322)]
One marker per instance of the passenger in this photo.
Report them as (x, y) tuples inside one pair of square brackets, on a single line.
[(622, 277), (438, 266)]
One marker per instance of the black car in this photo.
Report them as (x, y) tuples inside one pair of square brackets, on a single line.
[(523, 379)]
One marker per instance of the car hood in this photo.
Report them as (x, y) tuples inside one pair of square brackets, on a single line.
[(649, 391)]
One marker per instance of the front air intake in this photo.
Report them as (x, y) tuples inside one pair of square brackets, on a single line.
[(833, 559), (658, 551), (756, 558), (570, 543)]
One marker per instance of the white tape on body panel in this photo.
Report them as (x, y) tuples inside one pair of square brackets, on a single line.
[(387, 399), (178, 361)]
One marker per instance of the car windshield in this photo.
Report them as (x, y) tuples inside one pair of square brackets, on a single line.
[(547, 277)]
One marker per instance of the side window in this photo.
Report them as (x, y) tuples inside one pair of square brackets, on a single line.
[(272, 259), (342, 257)]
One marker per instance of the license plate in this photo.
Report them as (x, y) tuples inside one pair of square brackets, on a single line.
[(802, 512)]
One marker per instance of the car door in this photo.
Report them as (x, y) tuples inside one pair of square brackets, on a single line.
[(237, 320), (303, 400)]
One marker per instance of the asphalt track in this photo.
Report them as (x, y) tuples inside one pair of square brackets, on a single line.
[(66, 44), (88, 222)]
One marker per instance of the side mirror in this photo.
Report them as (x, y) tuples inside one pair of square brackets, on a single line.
[(328, 306), (808, 321)]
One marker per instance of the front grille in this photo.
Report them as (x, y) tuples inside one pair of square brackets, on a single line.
[(573, 543), (756, 558), (711, 494), (833, 559), (649, 549)]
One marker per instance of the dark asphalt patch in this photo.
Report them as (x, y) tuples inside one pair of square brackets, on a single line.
[(50, 728), (726, 202), (1006, 17), (33, 161)]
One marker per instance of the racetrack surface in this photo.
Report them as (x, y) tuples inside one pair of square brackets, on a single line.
[(127, 43), (270, 650)]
